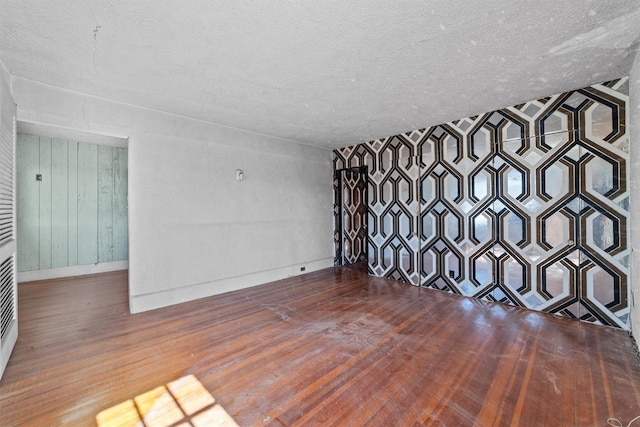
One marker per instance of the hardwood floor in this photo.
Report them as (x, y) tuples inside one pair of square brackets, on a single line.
[(335, 347)]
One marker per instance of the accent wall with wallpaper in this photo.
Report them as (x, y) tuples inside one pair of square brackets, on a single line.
[(526, 206)]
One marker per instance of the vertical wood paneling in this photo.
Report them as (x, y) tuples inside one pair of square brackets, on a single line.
[(45, 203), (28, 212), (59, 203), (87, 204), (105, 204), (72, 191), (77, 214), (120, 205)]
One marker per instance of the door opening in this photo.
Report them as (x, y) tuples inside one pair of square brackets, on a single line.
[(353, 217)]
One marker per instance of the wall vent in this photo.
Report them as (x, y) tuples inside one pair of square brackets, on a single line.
[(6, 179), (7, 312)]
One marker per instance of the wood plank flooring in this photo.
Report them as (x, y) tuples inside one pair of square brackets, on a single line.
[(334, 347)]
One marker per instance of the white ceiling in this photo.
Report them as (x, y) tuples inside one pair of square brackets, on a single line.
[(329, 73)]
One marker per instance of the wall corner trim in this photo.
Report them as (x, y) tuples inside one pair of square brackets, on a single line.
[(77, 270), (176, 295)]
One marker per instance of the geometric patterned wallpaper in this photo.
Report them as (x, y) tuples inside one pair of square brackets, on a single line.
[(527, 206)]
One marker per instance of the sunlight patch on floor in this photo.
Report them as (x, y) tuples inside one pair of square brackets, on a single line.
[(181, 403)]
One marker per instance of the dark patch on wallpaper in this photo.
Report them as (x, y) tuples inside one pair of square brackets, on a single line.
[(526, 206)]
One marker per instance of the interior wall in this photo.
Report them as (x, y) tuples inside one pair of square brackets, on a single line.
[(76, 214), (8, 288), (634, 135), (526, 206), (194, 230)]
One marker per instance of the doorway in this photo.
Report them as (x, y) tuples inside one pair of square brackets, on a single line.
[(353, 217), (72, 207)]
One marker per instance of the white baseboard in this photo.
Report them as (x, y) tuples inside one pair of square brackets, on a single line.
[(76, 270), (162, 298)]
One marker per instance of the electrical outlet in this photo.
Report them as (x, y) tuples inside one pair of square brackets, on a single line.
[(303, 268)]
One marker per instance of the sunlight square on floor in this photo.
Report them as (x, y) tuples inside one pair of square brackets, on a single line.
[(180, 403)]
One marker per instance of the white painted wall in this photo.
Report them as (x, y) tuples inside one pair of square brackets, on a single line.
[(634, 138), (193, 230), (5, 77)]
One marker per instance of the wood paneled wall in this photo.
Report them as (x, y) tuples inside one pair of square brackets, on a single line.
[(77, 214)]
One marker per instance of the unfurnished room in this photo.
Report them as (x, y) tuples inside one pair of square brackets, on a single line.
[(299, 213)]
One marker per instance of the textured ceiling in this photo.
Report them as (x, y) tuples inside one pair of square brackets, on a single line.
[(329, 73)]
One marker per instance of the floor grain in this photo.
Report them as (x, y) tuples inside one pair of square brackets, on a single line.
[(334, 347)]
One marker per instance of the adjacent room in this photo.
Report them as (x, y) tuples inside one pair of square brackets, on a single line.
[(305, 213)]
